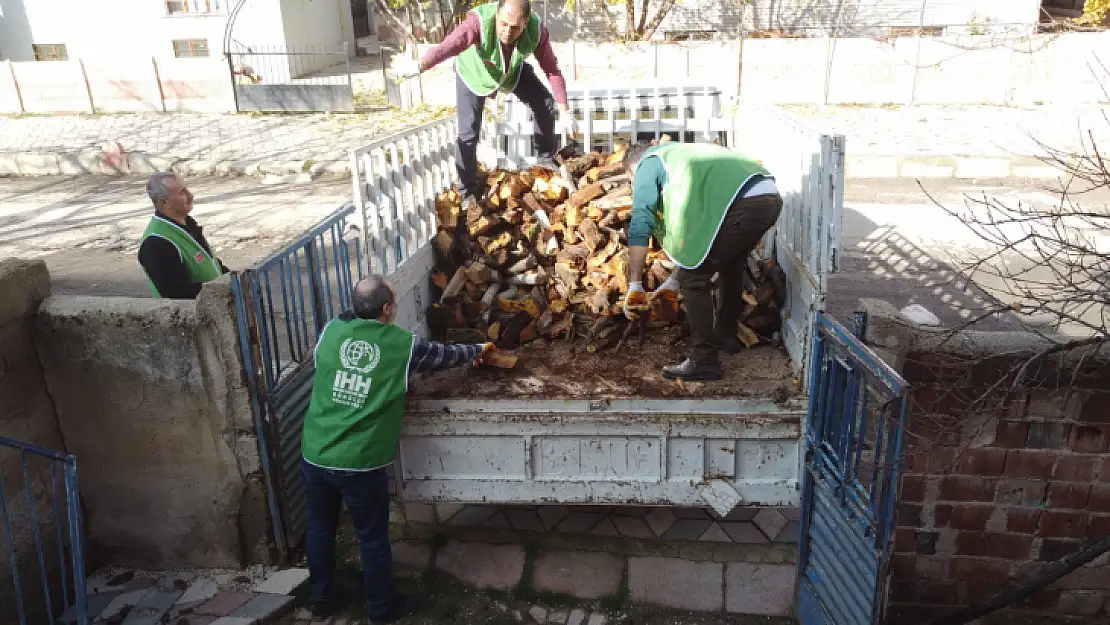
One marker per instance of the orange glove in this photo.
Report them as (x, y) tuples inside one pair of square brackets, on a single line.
[(636, 301)]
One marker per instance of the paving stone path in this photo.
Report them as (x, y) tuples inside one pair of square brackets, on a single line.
[(49, 145)]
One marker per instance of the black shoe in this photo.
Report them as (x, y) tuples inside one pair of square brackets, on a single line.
[(403, 606), (691, 370), (340, 597), (729, 345)]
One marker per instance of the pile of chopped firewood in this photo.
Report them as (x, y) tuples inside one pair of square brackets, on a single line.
[(544, 254)]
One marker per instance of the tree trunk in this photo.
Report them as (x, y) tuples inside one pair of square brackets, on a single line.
[(1015, 593), (630, 32), (664, 9), (643, 16)]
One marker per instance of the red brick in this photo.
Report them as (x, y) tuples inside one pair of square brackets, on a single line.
[(1104, 472), (913, 488), (972, 518), (935, 461), (938, 593), (1011, 434), (1021, 492), (971, 544), (1099, 527), (982, 462), (1100, 498), (1059, 524), (1095, 578), (1076, 468), (1009, 546), (1091, 439), (905, 540), (965, 488), (1068, 495), (980, 570), (1096, 408), (909, 514), (1025, 463), (941, 514), (1053, 549), (903, 566), (1080, 602), (1023, 520)]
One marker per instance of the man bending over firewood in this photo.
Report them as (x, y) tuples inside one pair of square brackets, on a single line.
[(490, 47), (708, 207)]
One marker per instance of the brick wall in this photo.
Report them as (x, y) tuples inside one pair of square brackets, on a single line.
[(994, 490), (26, 414)]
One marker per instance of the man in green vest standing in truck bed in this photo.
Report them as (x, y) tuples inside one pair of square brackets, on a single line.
[(490, 47), (351, 433), (707, 206), (174, 253)]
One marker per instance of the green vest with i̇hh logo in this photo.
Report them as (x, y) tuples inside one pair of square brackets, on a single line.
[(702, 182), (358, 395), (482, 66), (202, 266)]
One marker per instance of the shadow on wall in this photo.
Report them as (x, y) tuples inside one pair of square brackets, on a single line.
[(15, 32)]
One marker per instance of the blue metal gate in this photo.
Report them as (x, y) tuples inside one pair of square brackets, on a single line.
[(282, 304), (41, 536), (852, 444)]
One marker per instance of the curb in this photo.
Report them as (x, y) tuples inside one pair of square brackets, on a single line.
[(959, 167), (101, 162)]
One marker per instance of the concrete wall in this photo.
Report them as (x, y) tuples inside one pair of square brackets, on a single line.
[(996, 484), (951, 70), (149, 398), (317, 25), (26, 414)]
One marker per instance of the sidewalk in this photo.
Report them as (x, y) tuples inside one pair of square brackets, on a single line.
[(197, 144), (920, 142), (984, 142)]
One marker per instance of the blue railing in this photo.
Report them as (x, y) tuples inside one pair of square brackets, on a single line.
[(297, 290), (282, 305), (39, 508)]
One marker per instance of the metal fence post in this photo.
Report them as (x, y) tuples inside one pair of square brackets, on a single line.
[(231, 75)]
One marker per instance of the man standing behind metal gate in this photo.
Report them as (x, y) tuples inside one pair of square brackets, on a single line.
[(490, 47), (351, 432)]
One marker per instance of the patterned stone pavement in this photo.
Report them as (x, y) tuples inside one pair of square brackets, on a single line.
[(32, 145), (749, 526)]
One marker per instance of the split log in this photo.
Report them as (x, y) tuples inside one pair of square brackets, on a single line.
[(500, 359), (455, 285)]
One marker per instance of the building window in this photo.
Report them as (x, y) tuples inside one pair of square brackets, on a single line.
[(190, 48), (50, 52), (194, 7)]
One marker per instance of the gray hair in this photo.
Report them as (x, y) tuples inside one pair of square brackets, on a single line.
[(370, 296), (635, 154), (156, 187)]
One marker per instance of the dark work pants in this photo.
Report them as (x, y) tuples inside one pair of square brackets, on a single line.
[(745, 223), (531, 92), (366, 494)]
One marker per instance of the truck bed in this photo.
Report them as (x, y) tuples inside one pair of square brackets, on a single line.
[(561, 369)]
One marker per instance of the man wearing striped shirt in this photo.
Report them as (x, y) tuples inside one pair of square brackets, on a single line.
[(351, 433)]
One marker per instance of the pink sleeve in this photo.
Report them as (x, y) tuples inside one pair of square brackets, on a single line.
[(545, 56), (465, 35)]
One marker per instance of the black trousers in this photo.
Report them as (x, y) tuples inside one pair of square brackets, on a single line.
[(531, 92), (744, 225)]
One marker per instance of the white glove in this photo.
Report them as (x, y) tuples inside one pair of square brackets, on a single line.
[(635, 301), (670, 284), (404, 67)]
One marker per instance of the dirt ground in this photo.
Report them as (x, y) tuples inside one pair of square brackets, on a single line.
[(561, 369)]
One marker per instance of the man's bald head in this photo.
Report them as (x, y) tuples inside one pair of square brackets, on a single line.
[(512, 19), (371, 296)]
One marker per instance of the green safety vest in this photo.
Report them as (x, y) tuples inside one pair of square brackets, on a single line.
[(703, 180), (202, 266), (358, 395), (482, 66)]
